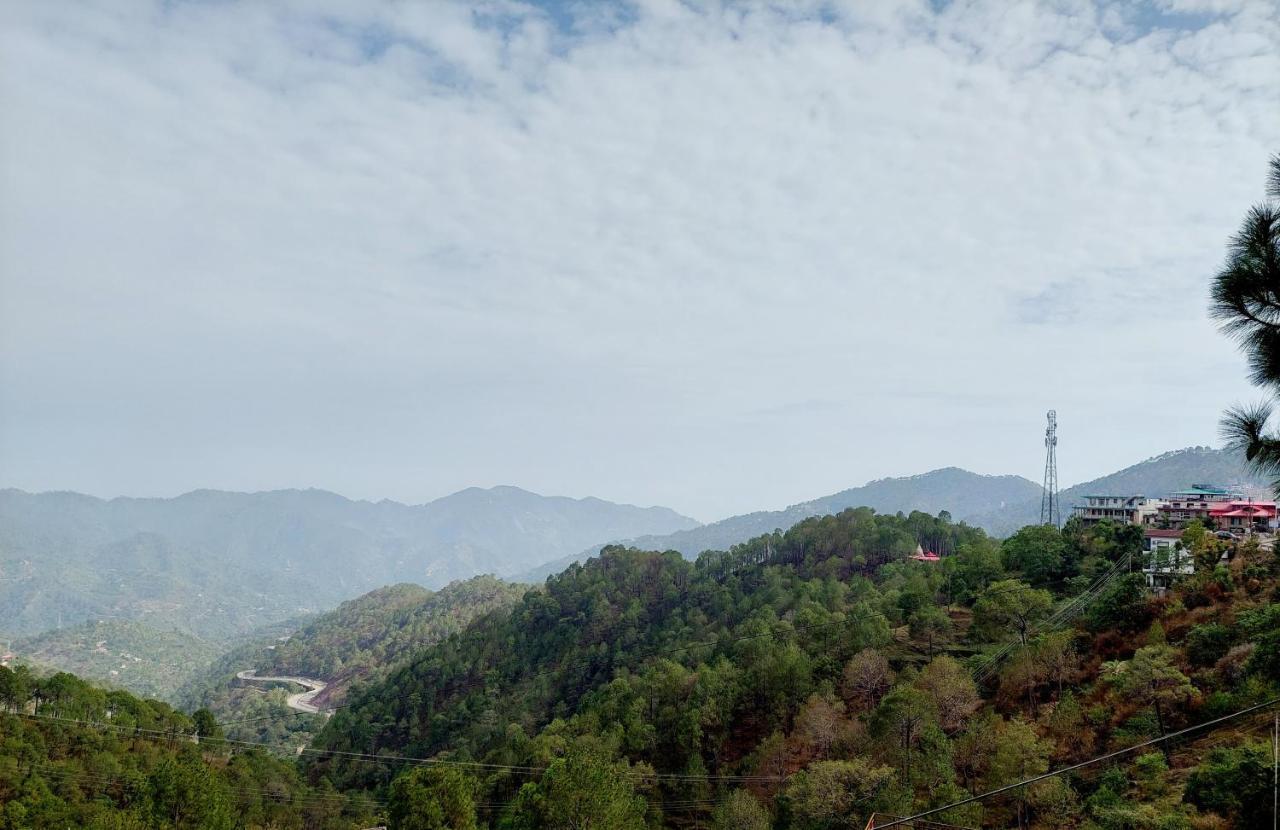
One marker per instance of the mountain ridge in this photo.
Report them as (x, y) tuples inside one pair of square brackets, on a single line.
[(221, 563), (1004, 512), (218, 491)]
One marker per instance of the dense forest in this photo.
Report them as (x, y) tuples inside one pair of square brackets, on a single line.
[(810, 678)]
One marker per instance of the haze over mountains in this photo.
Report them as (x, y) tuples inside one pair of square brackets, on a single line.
[(218, 564), (998, 504)]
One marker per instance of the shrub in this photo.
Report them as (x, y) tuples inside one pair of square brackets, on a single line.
[(1234, 782), (1207, 644)]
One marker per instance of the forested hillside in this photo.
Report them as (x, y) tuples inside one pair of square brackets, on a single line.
[(808, 678), (361, 640), (73, 755), (220, 565)]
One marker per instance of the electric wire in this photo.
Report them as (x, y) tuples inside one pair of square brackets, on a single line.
[(1210, 724)]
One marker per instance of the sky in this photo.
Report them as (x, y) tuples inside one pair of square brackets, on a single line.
[(720, 257)]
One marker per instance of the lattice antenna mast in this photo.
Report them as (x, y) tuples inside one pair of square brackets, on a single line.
[(1050, 511)]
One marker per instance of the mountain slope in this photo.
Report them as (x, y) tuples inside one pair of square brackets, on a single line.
[(219, 564), (961, 493)]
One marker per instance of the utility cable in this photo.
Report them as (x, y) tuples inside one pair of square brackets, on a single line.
[(1210, 724)]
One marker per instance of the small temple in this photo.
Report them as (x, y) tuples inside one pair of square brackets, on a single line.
[(922, 555)]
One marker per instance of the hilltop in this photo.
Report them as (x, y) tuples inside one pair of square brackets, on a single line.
[(997, 504), (959, 492)]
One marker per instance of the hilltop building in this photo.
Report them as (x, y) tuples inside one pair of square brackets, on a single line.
[(1196, 502), (1215, 507), (1132, 510), (1163, 521)]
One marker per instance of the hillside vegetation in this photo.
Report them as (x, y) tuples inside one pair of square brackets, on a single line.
[(73, 755), (808, 678), (122, 653)]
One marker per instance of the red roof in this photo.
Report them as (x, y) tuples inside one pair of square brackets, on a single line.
[(1157, 533), (1262, 509), (928, 556)]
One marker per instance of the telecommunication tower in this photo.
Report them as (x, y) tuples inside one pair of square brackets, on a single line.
[(1050, 510)]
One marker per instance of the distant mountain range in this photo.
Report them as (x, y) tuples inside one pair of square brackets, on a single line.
[(217, 564), (998, 504)]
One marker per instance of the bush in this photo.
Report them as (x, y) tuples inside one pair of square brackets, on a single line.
[(1231, 668), (1265, 660), (1234, 782), (1122, 606), (1207, 644)]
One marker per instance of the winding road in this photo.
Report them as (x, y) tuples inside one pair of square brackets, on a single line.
[(301, 701)]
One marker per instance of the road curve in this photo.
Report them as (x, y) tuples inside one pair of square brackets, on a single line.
[(301, 701)]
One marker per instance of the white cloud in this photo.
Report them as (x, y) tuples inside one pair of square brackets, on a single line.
[(400, 249)]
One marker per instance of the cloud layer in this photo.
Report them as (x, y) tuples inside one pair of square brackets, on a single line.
[(718, 257)]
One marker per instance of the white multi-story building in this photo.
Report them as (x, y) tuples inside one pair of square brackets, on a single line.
[(1165, 559), (1131, 510)]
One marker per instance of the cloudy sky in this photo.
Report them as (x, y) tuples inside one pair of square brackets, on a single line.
[(718, 257)]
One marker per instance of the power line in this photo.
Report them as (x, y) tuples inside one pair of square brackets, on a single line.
[(1099, 759), (587, 662), (1057, 619), (514, 769), (920, 823), (232, 789)]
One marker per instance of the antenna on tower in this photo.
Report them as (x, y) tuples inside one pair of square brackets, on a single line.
[(1050, 510)]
